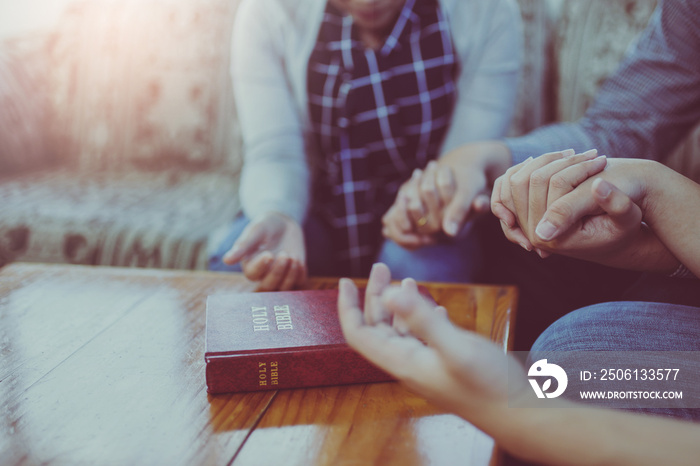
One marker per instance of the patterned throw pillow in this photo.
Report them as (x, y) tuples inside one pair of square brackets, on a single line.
[(22, 115), (144, 84)]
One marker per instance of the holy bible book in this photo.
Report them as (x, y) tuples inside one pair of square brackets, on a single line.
[(277, 340)]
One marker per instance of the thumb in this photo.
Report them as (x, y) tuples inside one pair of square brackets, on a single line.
[(246, 244), (622, 211), (481, 203), (456, 214)]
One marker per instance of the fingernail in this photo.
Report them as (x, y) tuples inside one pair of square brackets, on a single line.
[(525, 247), (416, 173), (546, 230), (431, 164), (451, 228), (568, 153), (590, 153), (528, 160), (602, 188)]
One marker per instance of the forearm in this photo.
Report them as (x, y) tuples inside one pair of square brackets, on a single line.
[(672, 209), (550, 138), (489, 42), (570, 435), (277, 185), (645, 253)]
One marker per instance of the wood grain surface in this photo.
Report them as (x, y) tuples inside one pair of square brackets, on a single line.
[(106, 366)]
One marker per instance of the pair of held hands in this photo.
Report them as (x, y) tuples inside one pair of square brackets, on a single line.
[(551, 204)]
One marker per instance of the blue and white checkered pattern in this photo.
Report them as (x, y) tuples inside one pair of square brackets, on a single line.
[(377, 115)]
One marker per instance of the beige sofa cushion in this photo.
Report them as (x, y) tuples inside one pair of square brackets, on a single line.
[(22, 110), (144, 84)]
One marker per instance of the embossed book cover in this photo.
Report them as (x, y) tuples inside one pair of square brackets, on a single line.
[(276, 340)]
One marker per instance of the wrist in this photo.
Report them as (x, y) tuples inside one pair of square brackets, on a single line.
[(652, 176), (286, 218)]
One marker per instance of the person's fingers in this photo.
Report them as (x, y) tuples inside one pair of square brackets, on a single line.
[(441, 311), (407, 240), (460, 349), (565, 212), (249, 241), (420, 317), (277, 272), (506, 192), (446, 184), (556, 179), (571, 175), (516, 235), (410, 286), (379, 279), (291, 277), (398, 215), (481, 203), (414, 204), (430, 197), (520, 185), (256, 268), (622, 210), (459, 210), (349, 312), (497, 207), (302, 276)]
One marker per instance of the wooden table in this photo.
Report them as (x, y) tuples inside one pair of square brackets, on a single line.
[(105, 366)]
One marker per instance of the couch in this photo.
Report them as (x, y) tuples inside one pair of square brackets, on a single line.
[(118, 137)]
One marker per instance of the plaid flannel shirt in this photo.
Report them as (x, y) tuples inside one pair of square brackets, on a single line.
[(377, 115)]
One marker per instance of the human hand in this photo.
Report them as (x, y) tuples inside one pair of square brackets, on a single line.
[(551, 176), (271, 250), (397, 224), (562, 208), (449, 193), (457, 369)]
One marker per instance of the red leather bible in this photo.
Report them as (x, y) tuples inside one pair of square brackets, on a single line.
[(276, 340)]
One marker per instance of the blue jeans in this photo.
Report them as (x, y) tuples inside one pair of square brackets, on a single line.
[(623, 327), (449, 261)]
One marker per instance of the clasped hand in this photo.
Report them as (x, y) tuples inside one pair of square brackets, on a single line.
[(441, 198), (579, 205)]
